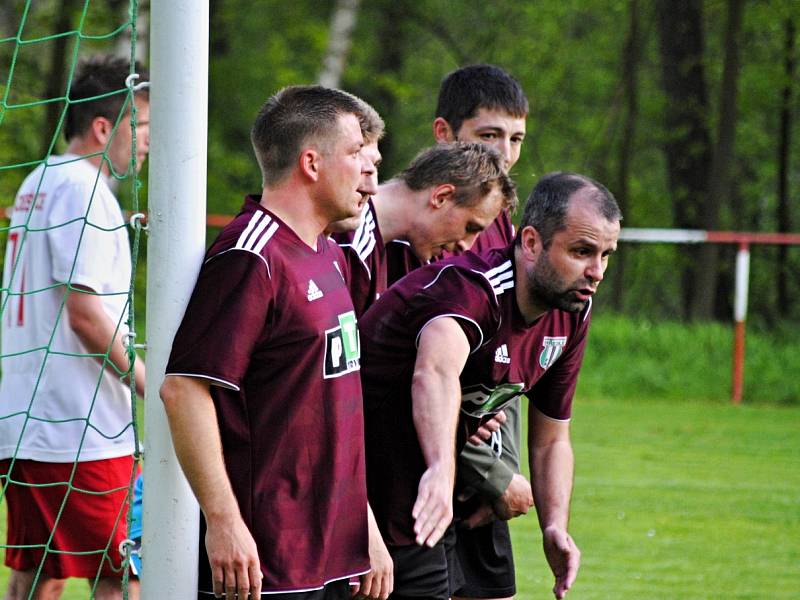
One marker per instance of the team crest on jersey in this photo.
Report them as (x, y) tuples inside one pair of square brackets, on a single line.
[(479, 400), (552, 347), (342, 347)]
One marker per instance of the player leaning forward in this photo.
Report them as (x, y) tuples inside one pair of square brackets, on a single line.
[(468, 335), (262, 389)]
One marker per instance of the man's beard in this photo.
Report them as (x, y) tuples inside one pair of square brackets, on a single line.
[(547, 289)]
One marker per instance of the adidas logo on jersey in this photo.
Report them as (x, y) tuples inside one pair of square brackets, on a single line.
[(501, 355), (314, 292)]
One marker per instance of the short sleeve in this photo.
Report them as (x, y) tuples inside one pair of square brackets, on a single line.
[(552, 395), (227, 316), (465, 295), (81, 236)]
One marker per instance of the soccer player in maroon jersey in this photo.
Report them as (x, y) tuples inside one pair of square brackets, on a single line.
[(469, 335), (262, 390), (443, 200), (483, 103)]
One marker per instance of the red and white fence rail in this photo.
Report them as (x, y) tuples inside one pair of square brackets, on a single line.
[(743, 240)]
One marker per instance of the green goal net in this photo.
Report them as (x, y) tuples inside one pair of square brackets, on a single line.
[(51, 411)]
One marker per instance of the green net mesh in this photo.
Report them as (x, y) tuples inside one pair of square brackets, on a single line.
[(35, 71)]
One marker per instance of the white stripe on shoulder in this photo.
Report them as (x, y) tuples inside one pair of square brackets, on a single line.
[(255, 236), (501, 278), (364, 238), (265, 238), (254, 219), (588, 309)]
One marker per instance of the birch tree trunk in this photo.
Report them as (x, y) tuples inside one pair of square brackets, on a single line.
[(343, 22)]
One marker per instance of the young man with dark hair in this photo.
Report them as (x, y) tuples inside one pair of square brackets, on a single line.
[(262, 390), (442, 201), (468, 335), (62, 406), (484, 103)]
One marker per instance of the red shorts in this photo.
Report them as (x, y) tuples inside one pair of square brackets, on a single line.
[(90, 524)]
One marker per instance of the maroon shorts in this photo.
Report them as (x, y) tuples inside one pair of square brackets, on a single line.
[(86, 534)]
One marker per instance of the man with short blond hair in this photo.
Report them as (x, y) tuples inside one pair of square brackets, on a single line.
[(262, 388), (442, 201)]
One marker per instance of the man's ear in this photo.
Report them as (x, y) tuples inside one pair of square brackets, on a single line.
[(442, 131), (441, 194), (101, 129), (531, 243), (309, 163)]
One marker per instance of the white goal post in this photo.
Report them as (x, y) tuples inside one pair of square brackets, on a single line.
[(179, 47)]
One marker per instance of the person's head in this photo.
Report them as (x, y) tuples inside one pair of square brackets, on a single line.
[(91, 124), (568, 230), (372, 128), (464, 187), (482, 103), (314, 132)]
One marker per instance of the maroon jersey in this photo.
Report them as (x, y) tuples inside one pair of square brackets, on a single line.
[(271, 324), (499, 234), (400, 261), (508, 358), (366, 259)]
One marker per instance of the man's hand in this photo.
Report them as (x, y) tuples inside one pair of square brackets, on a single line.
[(379, 582), (516, 500), (563, 557), (232, 553), (484, 432), (483, 515), (433, 510)]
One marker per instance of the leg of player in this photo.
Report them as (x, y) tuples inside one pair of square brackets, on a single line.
[(110, 588), (20, 583)]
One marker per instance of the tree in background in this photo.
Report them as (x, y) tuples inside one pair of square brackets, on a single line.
[(619, 90)]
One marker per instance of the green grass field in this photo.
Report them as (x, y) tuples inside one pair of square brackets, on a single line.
[(678, 500), (673, 498)]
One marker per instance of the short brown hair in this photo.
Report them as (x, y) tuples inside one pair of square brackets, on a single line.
[(372, 125), (548, 203), (101, 75), (468, 89), (295, 116), (474, 169)]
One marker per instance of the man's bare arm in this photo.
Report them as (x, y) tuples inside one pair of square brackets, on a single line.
[(379, 582), (436, 397), (193, 423), (96, 331), (552, 466)]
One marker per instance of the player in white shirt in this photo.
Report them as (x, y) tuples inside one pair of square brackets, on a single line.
[(66, 278)]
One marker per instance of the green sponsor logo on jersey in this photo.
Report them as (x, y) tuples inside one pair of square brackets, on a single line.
[(479, 401), (342, 347)]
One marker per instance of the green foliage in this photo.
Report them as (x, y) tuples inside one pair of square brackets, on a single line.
[(638, 359)]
